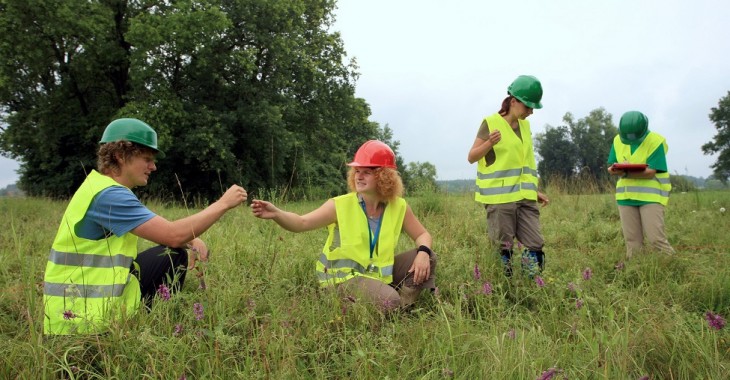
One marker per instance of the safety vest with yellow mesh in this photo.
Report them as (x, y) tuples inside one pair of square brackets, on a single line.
[(88, 282), (654, 190), (513, 175), (351, 256)]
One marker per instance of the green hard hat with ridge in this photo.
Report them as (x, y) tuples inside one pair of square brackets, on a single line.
[(528, 90), (134, 130), (633, 127)]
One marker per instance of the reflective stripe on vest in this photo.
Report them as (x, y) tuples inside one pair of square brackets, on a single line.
[(95, 261), (352, 257), (87, 283), (655, 190), (513, 175)]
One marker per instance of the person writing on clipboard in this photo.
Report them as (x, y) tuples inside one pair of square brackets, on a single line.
[(638, 158)]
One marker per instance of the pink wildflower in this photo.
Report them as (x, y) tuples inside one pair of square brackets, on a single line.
[(547, 375), (68, 314), (539, 281), (587, 274), (578, 303), (716, 321), (178, 330), (487, 288), (164, 292), (477, 272), (198, 310)]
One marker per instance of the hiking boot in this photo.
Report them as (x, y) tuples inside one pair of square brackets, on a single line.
[(530, 263), (507, 262)]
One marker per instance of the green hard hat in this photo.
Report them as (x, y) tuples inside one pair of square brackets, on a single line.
[(633, 127), (528, 90), (134, 130)]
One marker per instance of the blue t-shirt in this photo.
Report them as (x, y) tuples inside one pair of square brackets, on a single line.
[(115, 210)]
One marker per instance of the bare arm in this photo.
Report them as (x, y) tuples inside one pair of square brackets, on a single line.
[(321, 217), (180, 232), (481, 147), (421, 267)]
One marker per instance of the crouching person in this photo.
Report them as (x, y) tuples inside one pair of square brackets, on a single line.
[(94, 275), (364, 226)]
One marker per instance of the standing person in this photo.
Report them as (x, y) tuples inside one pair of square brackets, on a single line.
[(364, 226), (507, 176), (641, 195), (94, 274)]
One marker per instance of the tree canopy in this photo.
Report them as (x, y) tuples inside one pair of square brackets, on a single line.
[(720, 116), (580, 147), (255, 92)]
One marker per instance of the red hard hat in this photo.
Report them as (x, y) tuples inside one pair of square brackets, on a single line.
[(374, 153)]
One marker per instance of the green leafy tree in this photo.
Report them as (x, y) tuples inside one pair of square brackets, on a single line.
[(421, 176), (720, 116), (558, 154), (257, 92), (593, 137), (579, 148)]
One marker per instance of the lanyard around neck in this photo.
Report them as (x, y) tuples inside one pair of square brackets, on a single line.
[(373, 239)]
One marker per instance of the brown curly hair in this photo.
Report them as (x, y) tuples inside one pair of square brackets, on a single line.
[(389, 185), (106, 157)]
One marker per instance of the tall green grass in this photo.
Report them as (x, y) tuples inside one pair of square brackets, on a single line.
[(265, 316)]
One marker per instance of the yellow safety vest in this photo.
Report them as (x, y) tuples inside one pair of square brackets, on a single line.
[(654, 190), (88, 283), (352, 257), (513, 175)]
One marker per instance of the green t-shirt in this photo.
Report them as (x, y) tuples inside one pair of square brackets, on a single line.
[(657, 160)]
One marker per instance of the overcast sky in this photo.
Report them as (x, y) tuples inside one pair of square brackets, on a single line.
[(432, 70)]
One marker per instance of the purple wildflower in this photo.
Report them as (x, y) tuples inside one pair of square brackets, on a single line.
[(164, 292), (619, 266), (68, 314), (716, 321), (547, 375), (578, 303), (507, 244), (198, 310), (511, 334), (539, 281), (587, 274), (571, 287), (487, 288), (477, 273), (389, 304), (519, 245), (178, 330)]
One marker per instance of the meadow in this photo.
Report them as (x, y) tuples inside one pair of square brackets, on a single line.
[(595, 315)]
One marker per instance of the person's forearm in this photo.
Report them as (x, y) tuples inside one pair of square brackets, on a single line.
[(289, 221), (186, 229), (477, 153)]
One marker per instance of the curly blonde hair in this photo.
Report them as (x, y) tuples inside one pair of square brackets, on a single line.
[(389, 185), (106, 157)]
